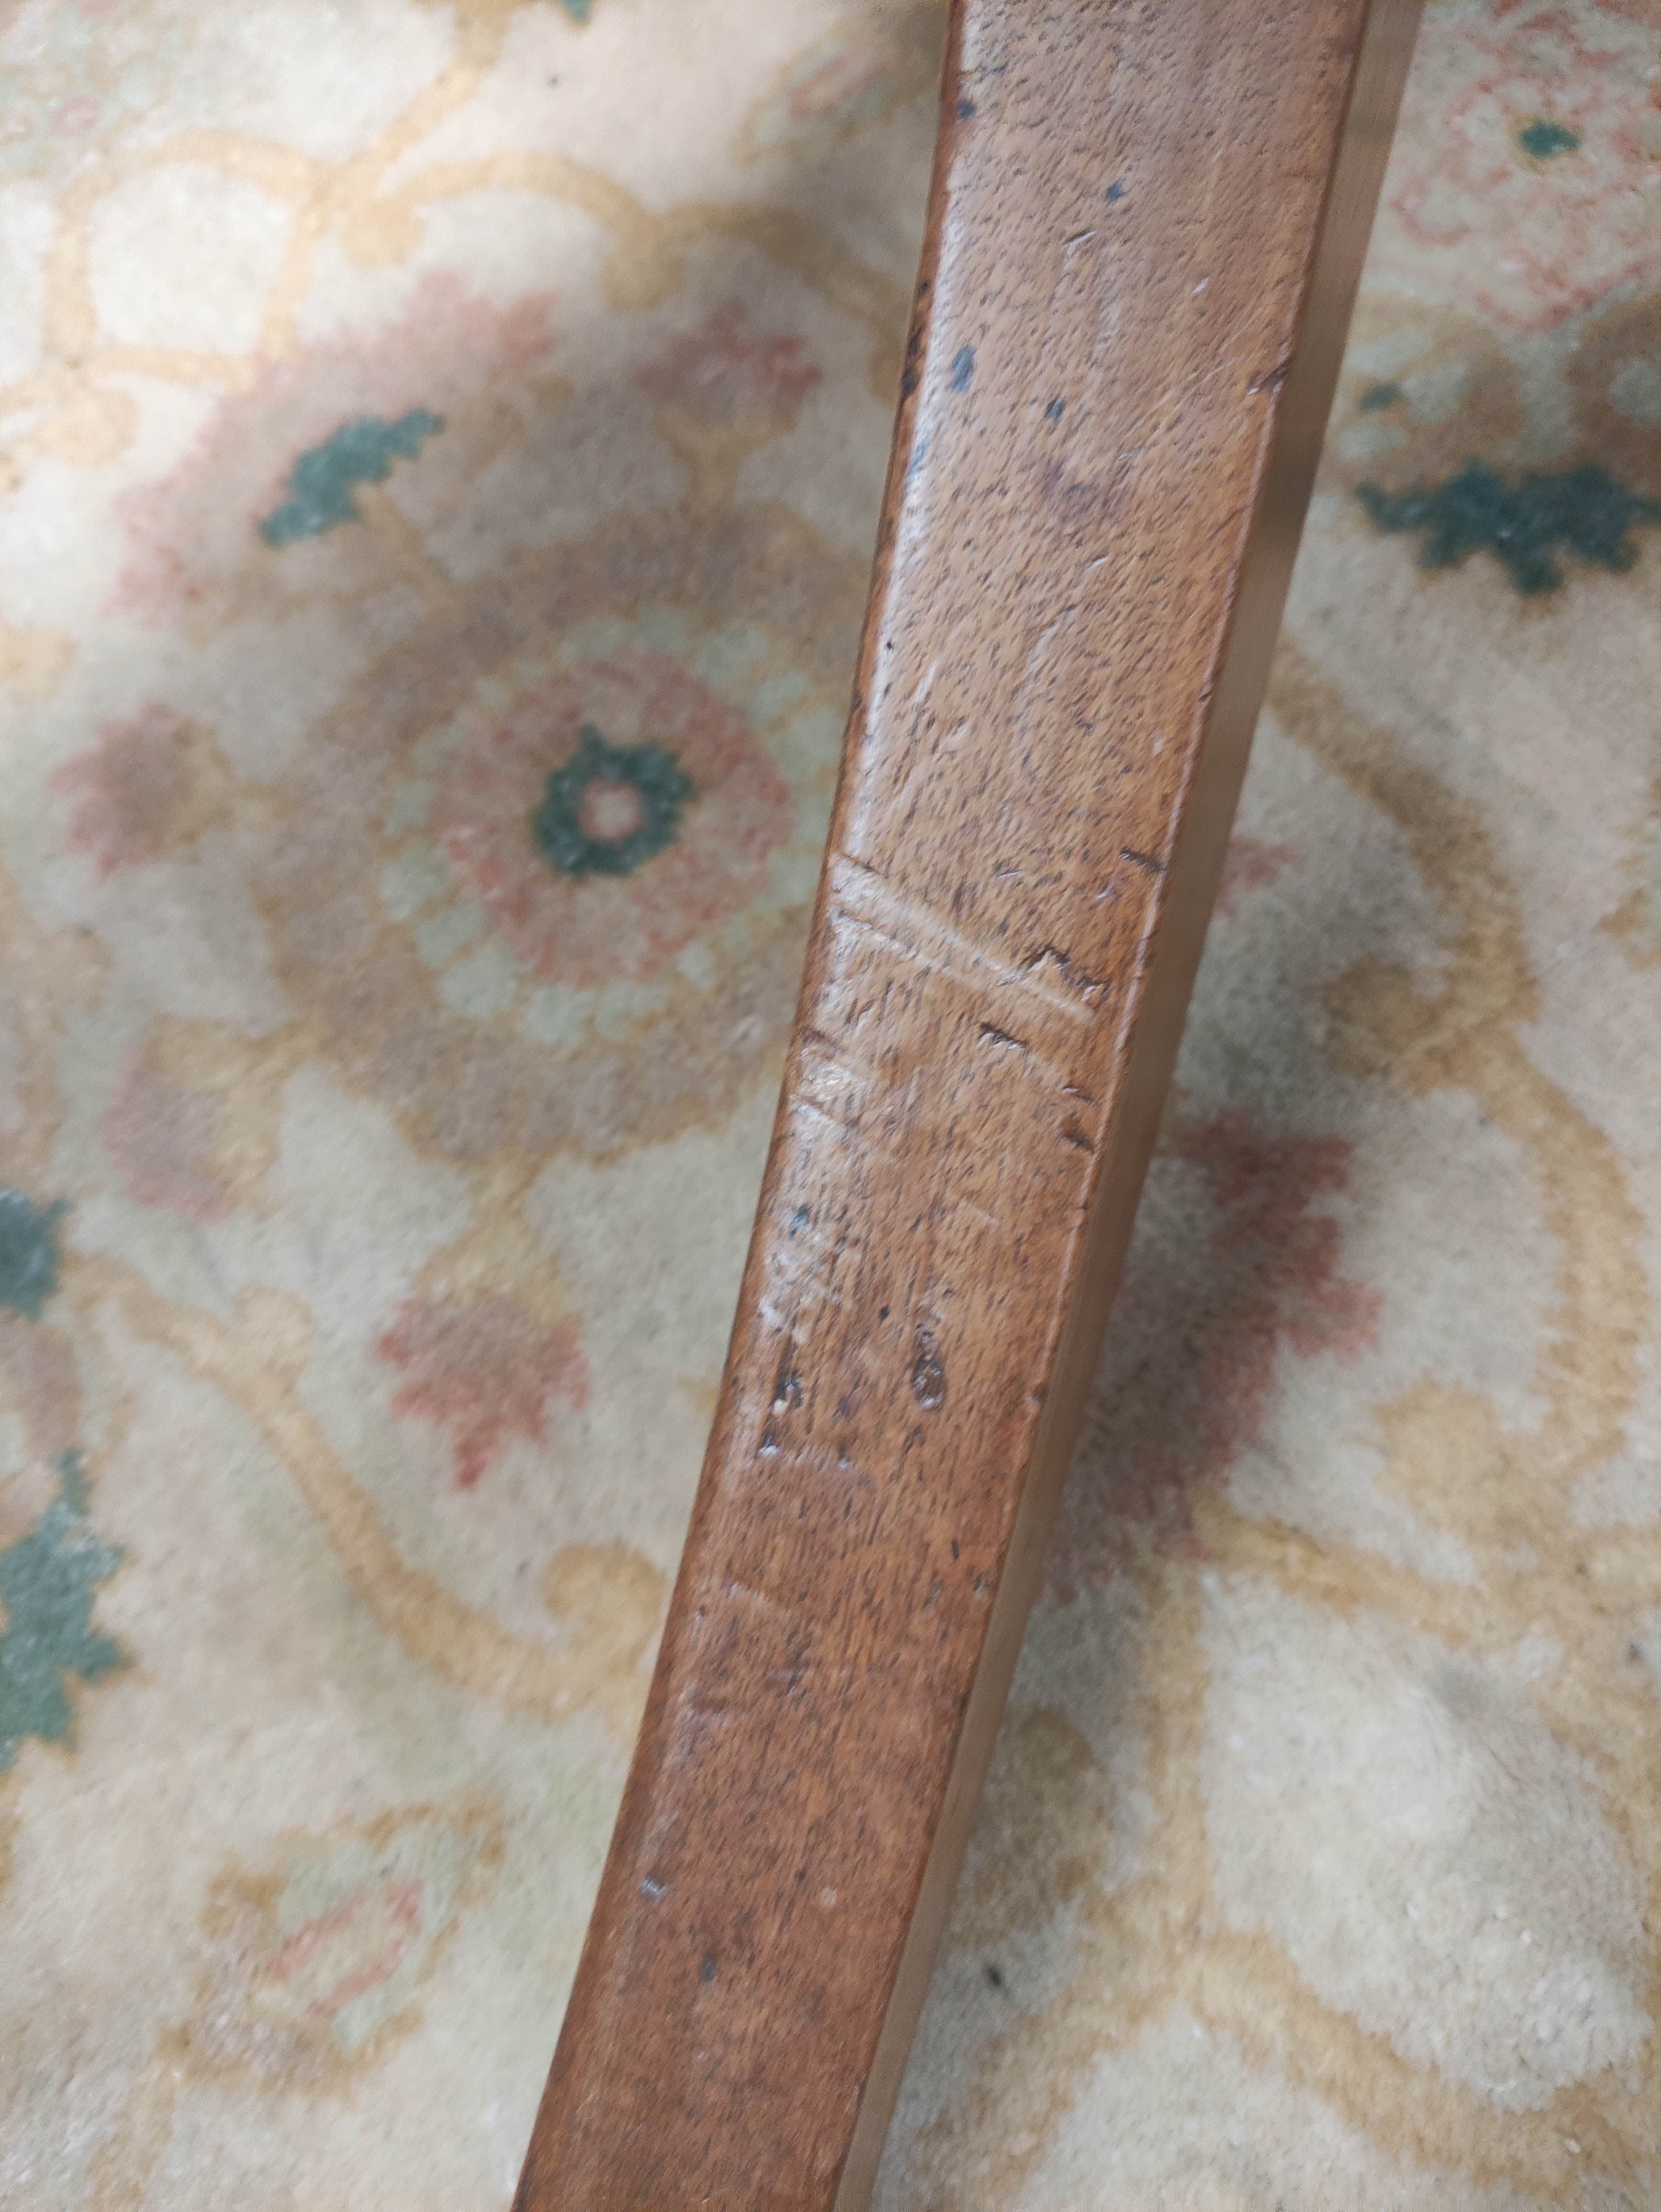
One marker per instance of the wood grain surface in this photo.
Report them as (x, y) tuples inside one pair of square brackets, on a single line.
[(1147, 223)]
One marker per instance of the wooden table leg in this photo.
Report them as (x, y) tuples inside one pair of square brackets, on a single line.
[(1146, 225)]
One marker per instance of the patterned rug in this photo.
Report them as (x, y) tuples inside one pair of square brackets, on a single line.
[(444, 439)]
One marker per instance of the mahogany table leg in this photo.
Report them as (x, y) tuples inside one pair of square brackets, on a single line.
[(1146, 225)]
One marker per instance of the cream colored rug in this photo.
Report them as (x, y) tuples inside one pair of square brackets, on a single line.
[(443, 447)]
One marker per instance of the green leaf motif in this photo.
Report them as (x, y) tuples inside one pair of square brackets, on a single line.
[(47, 1579), (28, 1251), (1543, 139), (322, 483), (1583, 511)]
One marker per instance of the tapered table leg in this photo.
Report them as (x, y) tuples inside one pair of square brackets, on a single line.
[(1146, 225)]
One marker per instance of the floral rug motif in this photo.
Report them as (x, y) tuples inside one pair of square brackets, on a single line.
[(441, 443)]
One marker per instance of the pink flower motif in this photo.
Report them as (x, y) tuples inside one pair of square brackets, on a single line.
[(485, 1371), (1208, 1343), (313, 1965), (1526, 180), (861, 69), (581, 930), (162, 1136), (845, 77), (720, 376), (76, 118), (1249, 864), (349, 1950), (195, 535), (81, 66), (129, 790)]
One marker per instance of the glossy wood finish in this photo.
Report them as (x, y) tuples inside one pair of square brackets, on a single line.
[(1146, 225)]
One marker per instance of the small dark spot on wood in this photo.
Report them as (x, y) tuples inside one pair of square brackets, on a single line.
[(787, 1391), (963, 368), (1148, 861), (954, 1547), (1054, 412), (882, 1313), (994, 1975), (799, 1219), (927, 1374), (1114, 190), (1073, 1134), (966, 109), (1273, 378), (707, 1971), (768, 1446), (1001, 1038)]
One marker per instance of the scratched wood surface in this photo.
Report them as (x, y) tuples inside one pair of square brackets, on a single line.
[(1147, 223)]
